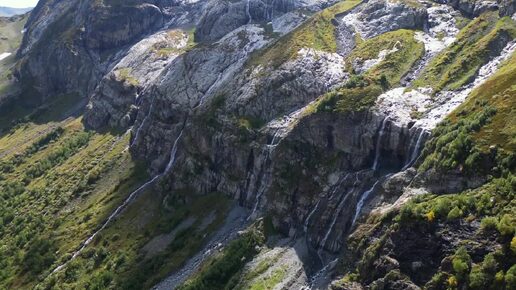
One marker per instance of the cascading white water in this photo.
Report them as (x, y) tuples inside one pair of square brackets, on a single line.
[(137, 133), (282, 127), (319, 274), (363, 198), (267, 152), (307, 221), (444, 103), (109, 219), (126, 202), (379, 143), (417, 148), (334, 220), (4, 55), (173, 153), (338, 210), (450, 100), (248, 12)]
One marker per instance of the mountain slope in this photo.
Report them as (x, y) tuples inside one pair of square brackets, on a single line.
[(8, 11), (257, 145)]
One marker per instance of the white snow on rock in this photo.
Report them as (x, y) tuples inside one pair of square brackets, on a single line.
[(418, 105), (4, 55), (370, 63), (447, 101)]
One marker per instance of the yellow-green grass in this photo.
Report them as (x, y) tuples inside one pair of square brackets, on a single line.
[(458, 64), (144, 219), (485, 120), (49, 206), (125, 74), (271, 280), (56, 109), (224, 270), (72, 199), (175, 36), (250, 277), (11, 33), (396, 64), (491, 205), (317, 33), (500, 92)]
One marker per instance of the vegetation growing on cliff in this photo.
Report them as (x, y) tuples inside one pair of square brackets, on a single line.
[(317, 33), (467, 239), (223, 271), (361, 91), (478, 137), (59, 183), (475, 45)]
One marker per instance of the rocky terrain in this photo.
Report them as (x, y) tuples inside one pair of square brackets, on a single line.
[(260, 145), (8, 11)]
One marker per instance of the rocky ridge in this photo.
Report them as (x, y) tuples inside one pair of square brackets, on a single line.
[(236, 112)]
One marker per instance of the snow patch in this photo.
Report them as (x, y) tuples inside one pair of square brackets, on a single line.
[(370, 63), (4, 55)]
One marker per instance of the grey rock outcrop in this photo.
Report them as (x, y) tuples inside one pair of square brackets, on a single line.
[(507, 7), (378, 16), (115, 100), (471, 8)]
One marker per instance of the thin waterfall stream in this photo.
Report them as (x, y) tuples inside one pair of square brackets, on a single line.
[(248, 12), (378, 144), (126, 202)]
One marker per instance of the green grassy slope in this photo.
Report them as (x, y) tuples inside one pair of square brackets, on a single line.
[(10, 32), (317, 33), (361, 91), (484, 125), (59, 183), (465, 240), (475, 45)]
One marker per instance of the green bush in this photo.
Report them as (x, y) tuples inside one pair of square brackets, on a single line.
[(483, 276), (506, 225), (489, 223), (222, 269), (461, 263), (454, 214), (40, 256), (478, 279), (510, 278)]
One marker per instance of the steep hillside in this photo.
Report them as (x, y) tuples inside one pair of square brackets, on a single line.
[(258, 145), (8, 11)]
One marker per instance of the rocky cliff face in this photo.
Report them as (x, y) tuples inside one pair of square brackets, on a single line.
[(310, 114), (86, 39)]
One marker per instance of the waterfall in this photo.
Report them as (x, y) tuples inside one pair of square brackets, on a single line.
[(363, 198), (248, 12), (282, 127), (314, 210), (109, 219), (267, 152), (173, 153), (337, 212), (450, 100), (378, 144), (319, 274), (126, 202), (334, 220), (336, 188), (417, 148), (137, 133)]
